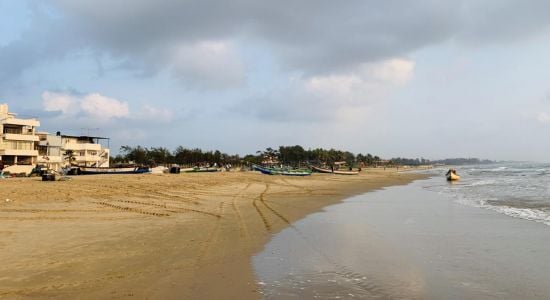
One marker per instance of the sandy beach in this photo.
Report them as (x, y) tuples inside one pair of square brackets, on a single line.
[(165, 236)]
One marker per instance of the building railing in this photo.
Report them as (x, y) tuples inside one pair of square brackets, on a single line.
[(80, 147), (17, 131)]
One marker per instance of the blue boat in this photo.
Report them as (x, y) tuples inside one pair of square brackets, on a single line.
[(278, 171)]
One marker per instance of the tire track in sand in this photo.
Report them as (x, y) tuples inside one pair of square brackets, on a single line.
[(271, 209), (243, 229), (266, 223), (212, 236), (214, 233)]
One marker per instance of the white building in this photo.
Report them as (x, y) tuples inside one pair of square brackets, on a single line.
[(17, 141), (50, 153), (22, 147), (85, 151)]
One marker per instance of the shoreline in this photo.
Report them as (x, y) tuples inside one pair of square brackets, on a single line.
[(407, 242), (157, 236)]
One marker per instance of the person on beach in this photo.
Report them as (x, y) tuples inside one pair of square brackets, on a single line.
[(453, 171)]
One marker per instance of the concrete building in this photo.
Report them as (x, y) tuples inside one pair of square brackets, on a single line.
[(22, 147), (50, 153), (17, 141), (85, 151)]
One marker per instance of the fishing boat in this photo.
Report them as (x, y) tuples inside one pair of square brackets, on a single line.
[(263, 170), (451, 175), (281, 171), (339, 172), (99, 170), (199, 169)]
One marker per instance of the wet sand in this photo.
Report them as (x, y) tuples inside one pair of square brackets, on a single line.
[(166, 236), (407, 242)]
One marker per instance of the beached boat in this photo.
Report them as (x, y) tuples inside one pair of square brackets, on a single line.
[(263, 170), (281, 171), (452, 176), (339, 172), (123, 170), (199, 169)]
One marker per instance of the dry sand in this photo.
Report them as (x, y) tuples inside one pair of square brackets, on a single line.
[(166, 236)]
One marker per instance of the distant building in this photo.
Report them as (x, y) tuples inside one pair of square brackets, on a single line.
[(85, 151), (50, 153), (22, 147), (17, 141)]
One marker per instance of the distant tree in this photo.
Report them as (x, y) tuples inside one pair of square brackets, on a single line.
[(269, 154), (349, 158), (292, 155), (252, 159), (69, 157)]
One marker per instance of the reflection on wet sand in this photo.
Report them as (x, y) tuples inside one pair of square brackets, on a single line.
[(406, 242), (326, 256)]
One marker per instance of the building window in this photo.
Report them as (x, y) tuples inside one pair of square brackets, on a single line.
[(19, 145)]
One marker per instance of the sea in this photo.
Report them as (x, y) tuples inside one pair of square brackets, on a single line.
[(483, 237), (516, 189)]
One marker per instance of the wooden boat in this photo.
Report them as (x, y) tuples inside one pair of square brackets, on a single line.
[(281, 171), (339, 172), (199, 169), (452, 176), (263, 170), (295, 172), (99, 170)]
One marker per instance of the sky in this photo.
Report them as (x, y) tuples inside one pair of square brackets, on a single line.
[(425, 78)]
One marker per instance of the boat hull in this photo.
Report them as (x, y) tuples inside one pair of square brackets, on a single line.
[(199, 170), (322, 170), (453, 177), (98, 171), (273, 171)]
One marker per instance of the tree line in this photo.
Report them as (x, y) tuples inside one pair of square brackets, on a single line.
[(163, 156), (295, 156), (287, 155)]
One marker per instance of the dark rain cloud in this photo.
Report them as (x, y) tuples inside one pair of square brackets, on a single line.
[(313, 37)]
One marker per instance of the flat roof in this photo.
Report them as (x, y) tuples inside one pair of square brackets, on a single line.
[(85, 137)]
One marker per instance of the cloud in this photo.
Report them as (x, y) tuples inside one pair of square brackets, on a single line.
[(543, 117), (102, 107), (213, 64), (92, 105), (199, 40), (65, 103), (152, 113), (95, 106), (356, 85), (334, 97)]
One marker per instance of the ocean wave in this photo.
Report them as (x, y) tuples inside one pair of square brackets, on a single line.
[(483, 182), (523, 213), (520, 190), (531, 214)]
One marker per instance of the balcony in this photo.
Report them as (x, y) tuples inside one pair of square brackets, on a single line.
[(45, 143), (20, 137), (82, 147), (21, 122), (16, 152), (49, 159)]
